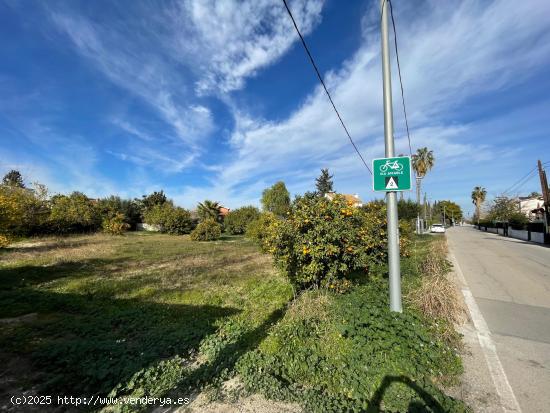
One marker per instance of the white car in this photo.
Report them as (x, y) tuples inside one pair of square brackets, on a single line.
[(437, 228)]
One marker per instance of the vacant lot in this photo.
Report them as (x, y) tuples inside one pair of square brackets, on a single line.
[(144, 314), (90, 313)]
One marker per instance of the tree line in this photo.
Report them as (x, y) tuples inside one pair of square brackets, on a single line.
[(27, 211), (501, 209)]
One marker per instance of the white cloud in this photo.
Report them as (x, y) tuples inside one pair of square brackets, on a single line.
[(450, 54), (181, 51), (228, 41), (131, 129), (64, 163), (147, 157), (162, 59), (140, 71)]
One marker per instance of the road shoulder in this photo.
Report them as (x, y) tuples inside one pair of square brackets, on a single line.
[(482, 373)]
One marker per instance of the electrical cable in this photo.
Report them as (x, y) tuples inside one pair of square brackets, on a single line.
[(324, 86), (399, 72), (523, 180)]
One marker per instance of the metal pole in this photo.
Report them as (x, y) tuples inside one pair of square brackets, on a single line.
[(546, 198), (424, 206), (393, 227), (418, 230)]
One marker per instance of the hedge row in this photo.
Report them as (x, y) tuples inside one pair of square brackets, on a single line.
[(26, 212), (525, 226)]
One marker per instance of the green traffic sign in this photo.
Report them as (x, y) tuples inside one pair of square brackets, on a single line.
[(391, 174)]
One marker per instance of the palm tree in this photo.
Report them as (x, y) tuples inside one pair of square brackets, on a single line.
[(208, 210), (422, 162), (478, 197)]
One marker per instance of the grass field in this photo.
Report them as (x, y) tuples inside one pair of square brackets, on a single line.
[(102, 309), (142, 314)]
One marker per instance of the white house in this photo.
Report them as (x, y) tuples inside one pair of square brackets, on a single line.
[(531, 206), (353, 199)]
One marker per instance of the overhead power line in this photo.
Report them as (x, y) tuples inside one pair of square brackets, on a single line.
[(400, 78), (324, 86), (523, 180), (522, 184)]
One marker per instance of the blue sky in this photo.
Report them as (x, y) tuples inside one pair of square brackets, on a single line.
[(215, 99)]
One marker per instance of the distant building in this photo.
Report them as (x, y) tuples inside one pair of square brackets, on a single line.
[(354, 199), (148, 227), (532, 207), (224, 211)]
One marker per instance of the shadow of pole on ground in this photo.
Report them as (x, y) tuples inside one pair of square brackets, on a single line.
[(428, 404), (230, 354)]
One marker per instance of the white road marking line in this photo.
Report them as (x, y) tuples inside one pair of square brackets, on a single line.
[(502, 385)]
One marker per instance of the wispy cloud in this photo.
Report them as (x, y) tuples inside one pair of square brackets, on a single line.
[(65, 163), (216, 45), (146, 157), (140, 72), (184, 60), (450, 54), (231, 40), (131, 129)]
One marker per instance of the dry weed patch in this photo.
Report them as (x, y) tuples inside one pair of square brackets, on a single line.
[(437, 297), (52, 250)]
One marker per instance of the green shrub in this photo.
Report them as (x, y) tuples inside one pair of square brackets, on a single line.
[(259, 230), (73, 213), (4, 241), (486, 223), (208, 230), (502, 208), (11, 212), (323, 241), (148, 201), (276, 199), (518, 220), (238, 220), (112, 205), (115, 225), (408, 209), (170, 219), (178, 222), (350, 353), (156, 214), (22, 211)]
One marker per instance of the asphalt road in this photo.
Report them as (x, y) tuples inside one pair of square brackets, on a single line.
[(510, 282)]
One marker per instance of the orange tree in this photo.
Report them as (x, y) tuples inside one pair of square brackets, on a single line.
[(22, 211), (115, 224), (324, 243), (10, 215)]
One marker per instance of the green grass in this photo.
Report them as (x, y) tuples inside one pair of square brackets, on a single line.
[(348, 352), (144, 314), (111, 310)]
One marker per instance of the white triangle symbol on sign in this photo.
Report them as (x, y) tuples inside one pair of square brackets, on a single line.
[(391, 184)]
